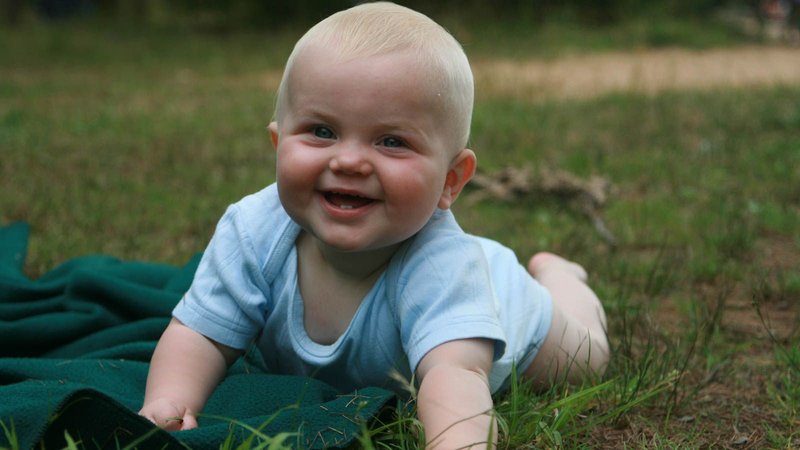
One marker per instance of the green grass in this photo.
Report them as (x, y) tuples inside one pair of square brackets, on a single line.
[(132, 144)]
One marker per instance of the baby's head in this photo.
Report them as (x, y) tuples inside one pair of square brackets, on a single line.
[(371, 126), (383, 28)]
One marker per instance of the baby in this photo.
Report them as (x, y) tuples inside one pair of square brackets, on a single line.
[(352, 267)]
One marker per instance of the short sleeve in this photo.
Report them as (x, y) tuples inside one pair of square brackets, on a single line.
[(229, 297), (444, 293)]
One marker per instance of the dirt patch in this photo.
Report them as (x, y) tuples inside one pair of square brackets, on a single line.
[(728, 403), (649, 71)]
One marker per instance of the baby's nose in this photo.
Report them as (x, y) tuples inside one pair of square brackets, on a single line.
[(351, 161)]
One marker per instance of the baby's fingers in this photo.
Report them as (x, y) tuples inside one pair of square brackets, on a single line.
[(176, 423), (173, 423), (189, 421)]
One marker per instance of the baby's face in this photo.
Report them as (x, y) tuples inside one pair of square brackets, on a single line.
[(363, 152)]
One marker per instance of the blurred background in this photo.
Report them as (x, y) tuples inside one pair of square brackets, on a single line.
[(237, 14)]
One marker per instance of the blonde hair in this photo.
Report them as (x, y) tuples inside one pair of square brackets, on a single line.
[(374, 29)]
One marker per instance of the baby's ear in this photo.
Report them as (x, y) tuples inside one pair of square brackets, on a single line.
[(461, 171), (273, 134)]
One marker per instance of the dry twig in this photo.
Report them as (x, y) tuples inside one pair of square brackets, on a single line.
[(512, 184)]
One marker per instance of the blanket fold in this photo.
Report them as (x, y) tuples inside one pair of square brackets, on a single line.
[(75, 346)]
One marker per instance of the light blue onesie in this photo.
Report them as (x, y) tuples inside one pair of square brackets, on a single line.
[(441, 285)]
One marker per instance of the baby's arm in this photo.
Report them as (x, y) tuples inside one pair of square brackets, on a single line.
[(185, 369), (454, 402)]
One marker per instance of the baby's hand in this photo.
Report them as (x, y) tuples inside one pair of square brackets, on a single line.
[(544, 261), (168, 415)]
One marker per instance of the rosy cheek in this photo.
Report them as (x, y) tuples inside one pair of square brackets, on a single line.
[(295, 163)]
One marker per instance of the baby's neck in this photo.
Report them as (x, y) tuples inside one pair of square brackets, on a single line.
[(355, 266)]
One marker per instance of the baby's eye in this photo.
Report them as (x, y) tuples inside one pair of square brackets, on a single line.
[(392, 142), (323, 132)]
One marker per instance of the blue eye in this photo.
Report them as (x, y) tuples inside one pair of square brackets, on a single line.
[(392, 142), (323, 132)]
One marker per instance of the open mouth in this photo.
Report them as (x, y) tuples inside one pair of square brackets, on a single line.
[(346, 201)]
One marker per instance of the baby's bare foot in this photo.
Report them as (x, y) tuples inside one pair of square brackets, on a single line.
[(544, 261)]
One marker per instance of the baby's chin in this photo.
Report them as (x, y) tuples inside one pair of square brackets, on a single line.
[(357, 247), (353, 246)]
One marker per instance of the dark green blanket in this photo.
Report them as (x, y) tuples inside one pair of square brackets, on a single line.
[(74, 351)]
